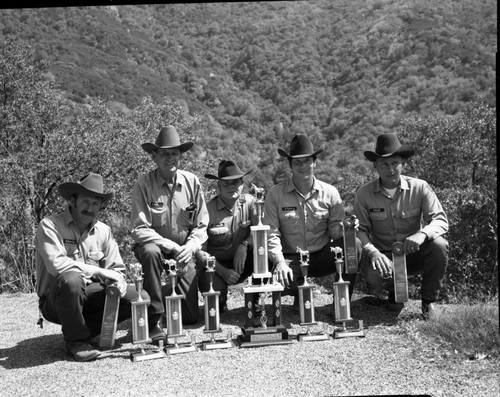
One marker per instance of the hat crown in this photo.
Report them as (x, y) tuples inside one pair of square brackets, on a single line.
[(92, 182), (168, 137), (387, 144), (300, 146), (228, 168)]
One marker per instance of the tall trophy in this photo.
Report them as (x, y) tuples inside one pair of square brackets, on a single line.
[(341, 300), (350, 251), (110, 317), (262, 330), (174, 314), (306, 303), (140, 326), (399, 272), (212, 316)]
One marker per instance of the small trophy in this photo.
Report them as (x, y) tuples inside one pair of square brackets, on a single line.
[(212, 317), (264, 331), (174, 314), (306, 303), (140, 326), (341, 300), (110, 317), (399, 273), (351, 254)]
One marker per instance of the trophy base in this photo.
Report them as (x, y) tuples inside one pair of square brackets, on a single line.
[(257, 337), (179, 349), (347, 333), (147, 355), (217, 344), (312, 336)]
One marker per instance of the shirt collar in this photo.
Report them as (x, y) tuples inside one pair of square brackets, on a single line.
[(403, 184), (291, 186)]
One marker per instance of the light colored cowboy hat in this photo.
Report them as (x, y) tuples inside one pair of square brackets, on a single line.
[(388, 145), (91, 185), (227, 170), (168, 138), (300, 146)]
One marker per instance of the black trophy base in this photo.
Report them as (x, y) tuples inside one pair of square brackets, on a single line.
[(257, 337), (348, 333)]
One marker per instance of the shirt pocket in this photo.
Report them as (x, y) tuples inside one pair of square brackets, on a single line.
[(411, 213), (158, 217), (320, 220), (186, 218), (289, 221), (218, 235), (378, 216)]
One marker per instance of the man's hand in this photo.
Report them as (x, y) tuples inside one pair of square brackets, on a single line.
[(184, 255), (240, 256), (381, 263), (412, 243), (111, 277), (228, 275), (284, 273)]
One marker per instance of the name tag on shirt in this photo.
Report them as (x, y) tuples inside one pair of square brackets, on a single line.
[(285, 209), (69, 241), (377, 209)]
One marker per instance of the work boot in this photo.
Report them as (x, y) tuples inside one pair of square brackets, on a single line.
[(82, 351), (428, 309), (392, 305), (155, 330)]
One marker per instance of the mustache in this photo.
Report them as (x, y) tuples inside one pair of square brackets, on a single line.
[(87, 213)]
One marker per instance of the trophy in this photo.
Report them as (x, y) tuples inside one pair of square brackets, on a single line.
[(212, 317), (341, 300), (399, 272), (174, 314), (351, 254), (110, 317), (264, 331), (306, 303), (140, 326)]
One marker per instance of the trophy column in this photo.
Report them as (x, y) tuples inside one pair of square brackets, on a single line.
[(341, 300), (140, 326), (350, 251), (212, 316), (262, 332), (399, 272), (306, 303), (174, 315), (110, 317)]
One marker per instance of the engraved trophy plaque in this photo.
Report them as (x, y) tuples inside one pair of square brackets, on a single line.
[(306, 303), (341, 300), (140, 326), (110, 317), (399, 272), (174, 314), (262, 329), (212, 316), (350, 252)]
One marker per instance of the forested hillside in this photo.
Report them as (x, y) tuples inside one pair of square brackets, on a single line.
[(341, 71)]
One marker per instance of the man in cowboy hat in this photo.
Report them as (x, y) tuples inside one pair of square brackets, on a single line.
[(231, 214), (395, 207), (169, 220), (304, 212), (76, 257)]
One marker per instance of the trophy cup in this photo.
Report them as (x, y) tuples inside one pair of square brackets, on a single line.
[(399, 272), (140, 326), (212, 317), (306, 303), (264, 331), (351, 254), (174, 314), (341, 300)]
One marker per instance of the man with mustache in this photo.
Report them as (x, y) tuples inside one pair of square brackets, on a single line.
[(76, 257), (169, 220)]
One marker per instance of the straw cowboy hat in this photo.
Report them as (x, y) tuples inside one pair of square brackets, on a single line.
[(388, 145), (168, 138), (91, 185), (227, 170), (300, 146)]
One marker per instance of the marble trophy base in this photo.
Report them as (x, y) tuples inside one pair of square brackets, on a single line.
[(214, 344), (177, 348), (144, 355), (344, 332), (310, 336)]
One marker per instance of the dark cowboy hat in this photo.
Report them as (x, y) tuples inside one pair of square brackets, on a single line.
[(91, 184), (168, 138), (300, 146), (389, 145), (227, 170)]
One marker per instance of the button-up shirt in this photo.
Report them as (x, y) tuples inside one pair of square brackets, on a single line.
[(386, 220), (178, 216), (296, 221), (60, 248), (228, 227)]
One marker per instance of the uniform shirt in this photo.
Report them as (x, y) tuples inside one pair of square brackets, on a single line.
[(158, 213), (60, 248), (295, 221), (228, 227), (413, 208)]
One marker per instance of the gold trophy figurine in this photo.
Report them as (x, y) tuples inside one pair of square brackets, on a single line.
[(140, 326)]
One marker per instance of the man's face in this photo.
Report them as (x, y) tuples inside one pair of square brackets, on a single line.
[(230, 189), (303, 168), (389, 170), (167, 160), (85, 209)]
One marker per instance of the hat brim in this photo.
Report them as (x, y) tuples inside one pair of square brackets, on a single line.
[(282, 153), (150, 147), (226, 178), (404, 151), (68, 189)]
